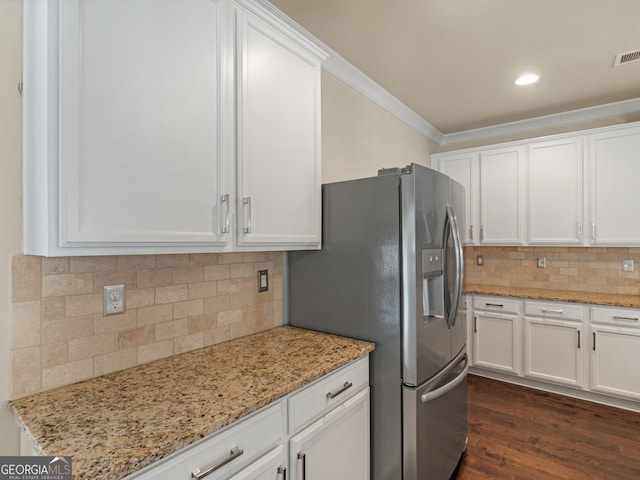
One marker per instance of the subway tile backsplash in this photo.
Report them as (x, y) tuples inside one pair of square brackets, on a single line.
[(174, 303), (582, 269)]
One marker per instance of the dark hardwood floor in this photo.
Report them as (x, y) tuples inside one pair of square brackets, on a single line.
[(521, 433)]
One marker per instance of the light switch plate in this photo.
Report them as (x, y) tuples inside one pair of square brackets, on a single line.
[(542, 262), (263, 280)]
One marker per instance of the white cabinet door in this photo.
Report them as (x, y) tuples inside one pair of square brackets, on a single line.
[(272, 466), (497, 342), (132, 124), (335, 446), (615, 361), (614, 171), (553, 351), (463, 168), (278, 138), (555, 192), (502, 196)]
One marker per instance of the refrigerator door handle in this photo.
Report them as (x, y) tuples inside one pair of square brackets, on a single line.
[(438, 392), (457, 245)]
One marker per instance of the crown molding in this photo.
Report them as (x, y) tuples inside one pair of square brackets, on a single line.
[(598, 112)]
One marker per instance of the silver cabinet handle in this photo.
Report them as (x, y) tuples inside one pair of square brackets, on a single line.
[(494, 305), (203, 472), (303, 457), (225, 221), (282, 471), (594, 341), (339, 390), (580, 231), (632, 319), (552, 310), (246, 202), (578, 338), (481, 233), (593, 231), (475, 324), (471, 233)]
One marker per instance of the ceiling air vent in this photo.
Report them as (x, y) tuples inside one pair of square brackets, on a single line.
[(627, 57)]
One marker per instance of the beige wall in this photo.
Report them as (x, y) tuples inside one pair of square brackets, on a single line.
[(359, 137), (582, 269), (10, 191)]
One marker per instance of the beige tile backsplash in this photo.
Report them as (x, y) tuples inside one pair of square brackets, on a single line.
[(175, 303), (580, 269)]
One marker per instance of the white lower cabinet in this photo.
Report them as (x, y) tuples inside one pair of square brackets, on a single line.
[(497, 334), (327, 437), (592, 350), (335, 446), (615, 352), (554, 343)]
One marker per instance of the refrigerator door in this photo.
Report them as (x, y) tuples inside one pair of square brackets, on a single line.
[(426, 336), (435, 423)]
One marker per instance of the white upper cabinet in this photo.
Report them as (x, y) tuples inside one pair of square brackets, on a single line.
[(568, 189), (502, 196), (132, 139), (614, 169), (555, 192), (278, 97), (463, 169)]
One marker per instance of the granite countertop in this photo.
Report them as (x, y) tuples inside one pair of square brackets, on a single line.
[(119, 423), (613, 300)]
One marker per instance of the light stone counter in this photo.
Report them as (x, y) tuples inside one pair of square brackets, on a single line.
[(119, 423), (631, 301)]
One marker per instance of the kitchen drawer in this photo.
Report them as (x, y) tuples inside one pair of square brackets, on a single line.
[(497, 304), (565, 311), (622, 317), (323, 395), (253, 436)]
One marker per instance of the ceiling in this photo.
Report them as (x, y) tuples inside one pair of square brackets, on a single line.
[(454, 62)]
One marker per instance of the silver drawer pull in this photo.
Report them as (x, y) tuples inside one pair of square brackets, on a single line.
[(631, 319), (494, 305), (338, 391), (233, 454), (552, 310)]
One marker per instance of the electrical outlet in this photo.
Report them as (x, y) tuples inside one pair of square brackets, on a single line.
[(113, 300), (542, 262), (627, 265), (480, 261)]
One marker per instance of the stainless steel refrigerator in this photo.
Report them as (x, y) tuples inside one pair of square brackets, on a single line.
[(390, 272)]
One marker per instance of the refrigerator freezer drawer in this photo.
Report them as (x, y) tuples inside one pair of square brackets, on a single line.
[(435, 425)]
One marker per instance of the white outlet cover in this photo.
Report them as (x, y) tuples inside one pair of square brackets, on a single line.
[(627, 265), (113, 299)]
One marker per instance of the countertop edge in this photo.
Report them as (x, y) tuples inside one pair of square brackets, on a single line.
[(569, 296)]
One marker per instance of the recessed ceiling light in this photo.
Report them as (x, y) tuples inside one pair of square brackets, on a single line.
[(527, 79)]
